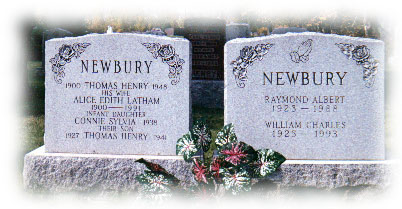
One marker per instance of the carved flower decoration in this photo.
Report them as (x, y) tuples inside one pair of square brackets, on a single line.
[(166, 52), (361, 54), (261, 50), (57, 63), (168, 56), (153, 48), (370, 64), (248, 55), (174, 61), (66, 52)]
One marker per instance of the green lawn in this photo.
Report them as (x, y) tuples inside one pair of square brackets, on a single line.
[(34, 127)]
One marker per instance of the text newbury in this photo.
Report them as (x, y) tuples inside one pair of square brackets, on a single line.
[(307, 95), (117, 94)]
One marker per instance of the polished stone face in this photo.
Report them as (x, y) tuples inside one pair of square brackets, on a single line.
[(117, 94), (307, 95)]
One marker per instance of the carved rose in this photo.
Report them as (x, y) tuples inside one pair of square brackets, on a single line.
[(153, 48), (66, 52), (166, 51), (370, 64), (361, 54), (57, 62), (248, 54), (174, 61), (260, 50)]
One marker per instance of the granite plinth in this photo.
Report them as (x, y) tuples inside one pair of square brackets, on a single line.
[(333, 173), (64, 172)]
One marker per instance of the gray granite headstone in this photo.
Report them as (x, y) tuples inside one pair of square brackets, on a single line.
[(237, 30), (117, 94), (307, 95)]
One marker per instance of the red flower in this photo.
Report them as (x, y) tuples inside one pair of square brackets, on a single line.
[(200, 172)]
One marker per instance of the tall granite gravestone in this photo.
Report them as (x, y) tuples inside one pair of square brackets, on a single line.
[(317, 99), (111, 99), (308, 95), (207, 37), (116, 94)]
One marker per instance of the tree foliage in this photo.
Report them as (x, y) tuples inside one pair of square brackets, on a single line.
[(335, 22)]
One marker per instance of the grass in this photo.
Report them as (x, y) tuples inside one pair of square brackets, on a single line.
[(34, 127), (34, 64), (214, 118)]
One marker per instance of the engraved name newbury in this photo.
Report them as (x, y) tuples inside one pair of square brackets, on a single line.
[(118, 100), (301, 96)]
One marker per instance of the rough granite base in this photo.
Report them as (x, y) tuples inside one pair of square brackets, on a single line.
[(61, 172), (333, 173)]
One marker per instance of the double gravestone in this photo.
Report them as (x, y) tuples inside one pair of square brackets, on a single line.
[(114, 98)]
